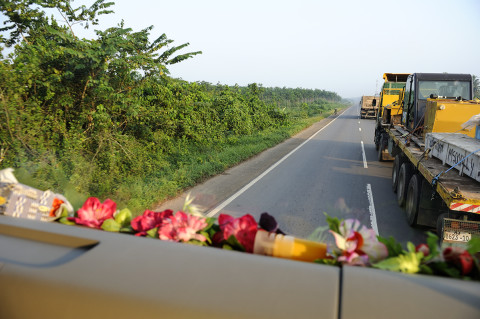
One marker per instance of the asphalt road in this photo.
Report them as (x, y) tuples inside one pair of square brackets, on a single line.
[(330, 168)]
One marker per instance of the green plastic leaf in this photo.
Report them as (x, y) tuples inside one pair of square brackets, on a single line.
[(432, 243), (65, 221), (424, 269), (319, 234), (411, 247), (207, 236), (124, 217), (128, 229), (63, 211), (325, 261), (153, 233), (443, 269), (407, 263), (333, 223), (196, 242), (211, 228), (394, 247), (473, 246), (234, 243), (111, 225)]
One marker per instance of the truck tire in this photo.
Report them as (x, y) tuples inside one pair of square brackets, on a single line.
[(413, 199), (404, 175), (381, 147), (396, 167)]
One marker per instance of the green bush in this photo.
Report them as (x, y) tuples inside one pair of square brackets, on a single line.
[(103, 118)]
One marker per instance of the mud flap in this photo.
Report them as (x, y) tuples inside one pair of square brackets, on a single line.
[(431, 206)]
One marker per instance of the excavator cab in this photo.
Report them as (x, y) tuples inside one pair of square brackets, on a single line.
[(421, 86)]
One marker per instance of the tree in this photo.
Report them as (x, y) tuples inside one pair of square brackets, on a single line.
[(24, 17), (69, 99)]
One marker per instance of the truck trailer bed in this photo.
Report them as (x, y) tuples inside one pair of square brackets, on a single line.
[(459, 192)]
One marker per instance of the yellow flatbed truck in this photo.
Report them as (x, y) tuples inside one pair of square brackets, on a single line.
[(389, 111), (435, 170)]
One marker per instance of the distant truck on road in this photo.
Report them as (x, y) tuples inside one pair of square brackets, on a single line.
[(367, 108)]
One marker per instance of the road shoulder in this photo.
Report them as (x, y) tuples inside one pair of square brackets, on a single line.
[(217, 189)]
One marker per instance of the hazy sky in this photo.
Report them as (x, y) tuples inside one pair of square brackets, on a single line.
[(341, 46)]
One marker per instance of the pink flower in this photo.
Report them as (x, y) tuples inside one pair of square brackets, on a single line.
[(460, 258), (243, 229), (182, 227), (424, 249), (93, 213), (358, 245), (149, 220)]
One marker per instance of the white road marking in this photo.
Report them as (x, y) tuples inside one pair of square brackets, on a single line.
[(259, 177), (364, 157), (371, 208), (360, 129)]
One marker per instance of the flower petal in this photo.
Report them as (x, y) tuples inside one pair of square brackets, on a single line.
[(340, 241)]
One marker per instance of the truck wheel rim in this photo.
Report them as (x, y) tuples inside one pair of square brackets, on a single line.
[(409, 206), (400, 189)]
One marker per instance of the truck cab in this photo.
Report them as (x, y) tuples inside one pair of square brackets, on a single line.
[(394, 83)]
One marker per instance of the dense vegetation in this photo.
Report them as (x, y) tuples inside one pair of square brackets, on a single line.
[(103, 117), (476, 87)]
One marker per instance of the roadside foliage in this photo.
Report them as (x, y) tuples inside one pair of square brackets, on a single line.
[(103, 117)]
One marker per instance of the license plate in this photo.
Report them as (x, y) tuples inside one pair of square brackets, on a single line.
[(457, 236)]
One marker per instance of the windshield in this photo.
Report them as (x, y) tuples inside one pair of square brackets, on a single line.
[(391, 91), (392, 88), (444, 88)]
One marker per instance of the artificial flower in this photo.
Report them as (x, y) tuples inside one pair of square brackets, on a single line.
[(189, 207), (182, 227), (358, 245), (93, 213), (408, 262), (243, 229), (423, 248), (149, 220), (460, 257), (57, 203), (268, 223)]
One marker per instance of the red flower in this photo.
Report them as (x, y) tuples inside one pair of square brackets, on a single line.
[(182, 227), (460, 258), (149, 220), (93, 213), (424, 249), (243, 229)]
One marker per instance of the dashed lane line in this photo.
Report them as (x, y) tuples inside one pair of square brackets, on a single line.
[(364, 157), (371, 208)]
